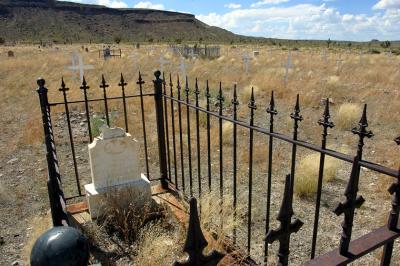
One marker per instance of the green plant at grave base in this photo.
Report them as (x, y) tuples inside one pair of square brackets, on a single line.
[(95, 124)]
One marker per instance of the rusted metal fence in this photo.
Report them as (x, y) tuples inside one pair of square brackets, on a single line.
[(171, 106)]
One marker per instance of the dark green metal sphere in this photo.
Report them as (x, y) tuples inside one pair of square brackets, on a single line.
[(61, 246)]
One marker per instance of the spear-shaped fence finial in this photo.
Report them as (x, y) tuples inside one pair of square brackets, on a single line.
[(196, 242)]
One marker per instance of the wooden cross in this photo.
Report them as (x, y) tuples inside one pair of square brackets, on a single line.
[(339, 63), (246, 61), (288, 65), (286, 228), (196, 242)]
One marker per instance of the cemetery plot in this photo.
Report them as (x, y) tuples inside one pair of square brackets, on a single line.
[(313, 79)]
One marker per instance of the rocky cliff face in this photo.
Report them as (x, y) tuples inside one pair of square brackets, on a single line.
[(64, 21)]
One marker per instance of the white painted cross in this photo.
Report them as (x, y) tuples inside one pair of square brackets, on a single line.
[(82, 67), (246, 61), (288, 66), (77, 64)]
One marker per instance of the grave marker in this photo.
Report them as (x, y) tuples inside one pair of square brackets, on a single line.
[(339, 63), (288, 65), (114, 163), (77, 64), (246, 60)]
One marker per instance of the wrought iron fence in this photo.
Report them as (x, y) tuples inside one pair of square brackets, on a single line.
[(172, 139)]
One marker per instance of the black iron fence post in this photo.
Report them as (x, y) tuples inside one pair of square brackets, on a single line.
[(158, 84), (53, 187)]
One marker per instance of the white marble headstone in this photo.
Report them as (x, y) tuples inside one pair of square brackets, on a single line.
[(114, 162), (113, 158)]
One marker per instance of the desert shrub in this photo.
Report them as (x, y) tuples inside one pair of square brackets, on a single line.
[(348, 116), (396, 51), (374, 51), (306, 179), (117, 39)]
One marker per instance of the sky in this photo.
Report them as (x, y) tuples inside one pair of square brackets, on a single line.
[(354, 20)]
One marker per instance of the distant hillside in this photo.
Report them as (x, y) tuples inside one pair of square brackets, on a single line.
[(51, 20)]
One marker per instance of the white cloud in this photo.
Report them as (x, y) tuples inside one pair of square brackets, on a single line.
[(387, 4), (308, 21), (233, 6), (113, 3), (108, 3), (268, 2), (149, 5)]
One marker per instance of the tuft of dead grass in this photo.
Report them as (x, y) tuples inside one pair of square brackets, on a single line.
[(157, 245), (348, 116), (127, 219), (216, 211), (306, 180)]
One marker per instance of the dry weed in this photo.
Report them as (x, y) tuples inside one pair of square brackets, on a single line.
[(127, 219), (306, 180), (348, 116)]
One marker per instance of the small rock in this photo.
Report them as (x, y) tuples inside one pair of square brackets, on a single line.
[(2, 242), (13, 160), (81, 124), (15, 263)]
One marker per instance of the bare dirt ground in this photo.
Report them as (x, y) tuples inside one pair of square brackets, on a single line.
[(373, 79)]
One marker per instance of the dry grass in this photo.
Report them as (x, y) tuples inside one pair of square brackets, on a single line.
[(348, 116), (125, 213), (215, 212), (375, 82), (306, 179), (245, 93), (227, 133)]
